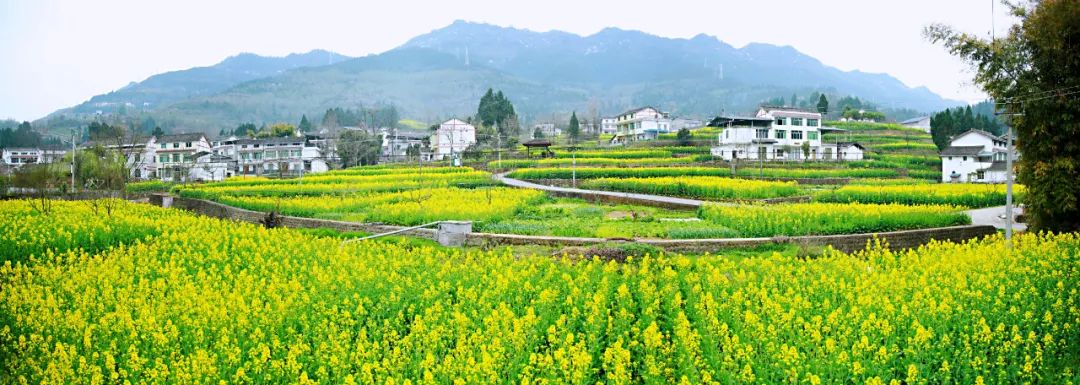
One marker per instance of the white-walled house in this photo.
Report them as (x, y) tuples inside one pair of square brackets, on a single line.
[(975, 156), (922, 123), (176, 154), (21, 156), (643, 123), (776, 133), (277, 156), (452, 137), (397, 142), (608, 126), (139, 153), (687, 123)]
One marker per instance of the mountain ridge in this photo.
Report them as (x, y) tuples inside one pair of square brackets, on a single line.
[(442, 73)]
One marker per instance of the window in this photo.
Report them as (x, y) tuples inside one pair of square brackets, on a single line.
[(796, 121), (965, 159), (162, 145), (762, 134), (981, 175), (796, 135), (779, 121), (175, 157), (812, 135), (727, 134), (812, 122), (164, 159), (761, 152), (176, 145), (188, 144), (781, 134)]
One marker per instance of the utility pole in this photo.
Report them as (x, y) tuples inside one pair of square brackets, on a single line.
[(1008, 185), (1008, 175), (498, 146), (73, 160)]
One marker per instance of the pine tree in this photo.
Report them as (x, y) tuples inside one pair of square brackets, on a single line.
[(574, 130), (823, 105), (305, 125)]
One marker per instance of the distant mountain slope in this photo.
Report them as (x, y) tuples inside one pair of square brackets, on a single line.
[(545, 74), (614, 57), (174, 86)]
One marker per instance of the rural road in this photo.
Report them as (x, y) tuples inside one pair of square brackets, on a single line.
[(994, 216), (645, 197)]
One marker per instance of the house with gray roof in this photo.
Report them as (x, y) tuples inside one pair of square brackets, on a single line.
[(975, 156)]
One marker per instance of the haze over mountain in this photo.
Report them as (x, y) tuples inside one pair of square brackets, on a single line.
[(168, 87), (444, 73)]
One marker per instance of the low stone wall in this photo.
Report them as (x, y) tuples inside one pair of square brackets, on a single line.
[(601, 197), (218, 210), (847, 243), (897, 240)]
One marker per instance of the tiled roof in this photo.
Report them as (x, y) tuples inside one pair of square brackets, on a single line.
[(961, 150), (182, 137)]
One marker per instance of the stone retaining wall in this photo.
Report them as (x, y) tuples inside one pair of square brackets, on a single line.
[(608, 197), (847, 243)]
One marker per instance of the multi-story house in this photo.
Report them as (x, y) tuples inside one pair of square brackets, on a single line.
[(277, 156), (21, 156), (608, 126), (397, 142), (451, 138), (643, 123), (32, 155), (687, 123), (779, 133), (975, 156), (139, 154), (176, 154)]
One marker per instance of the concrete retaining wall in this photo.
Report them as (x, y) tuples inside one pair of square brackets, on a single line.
[(847, 243)]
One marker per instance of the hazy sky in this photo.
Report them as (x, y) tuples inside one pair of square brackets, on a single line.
[(57, 53)]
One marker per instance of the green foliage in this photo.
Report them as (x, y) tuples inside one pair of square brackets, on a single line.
[(495, 109), (823, 105), (956, 194), (829, 218), (305, 124), (649, 172), (946, 124), (358, 148), (148, 186), (713, 188), (574, 129), (1035, 71), (23, 135), (683, 136), (101, 131)]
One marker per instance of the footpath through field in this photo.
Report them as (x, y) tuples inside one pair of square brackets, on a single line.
[(659, 200), (995, 216)]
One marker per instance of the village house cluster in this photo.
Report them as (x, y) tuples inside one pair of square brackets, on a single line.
[(772, 134), (780, 133)]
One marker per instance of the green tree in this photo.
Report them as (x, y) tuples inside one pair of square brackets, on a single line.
[(823, 105), (496, 110), (684, 137), (806, 149), (158, 132), (537, 134), (305, 125), (358, 148), (574, 129), (246, 129), (1034, 71)]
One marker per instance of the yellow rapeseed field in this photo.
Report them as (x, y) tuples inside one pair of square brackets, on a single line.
[(209, 301)]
